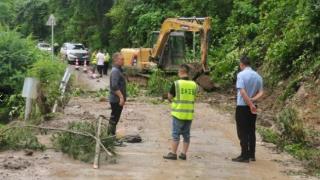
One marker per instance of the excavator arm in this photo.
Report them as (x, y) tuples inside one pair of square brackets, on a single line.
[(201, 25)]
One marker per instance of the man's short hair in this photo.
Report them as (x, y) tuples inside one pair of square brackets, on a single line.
[(115, 56), (184, 68), (245, 60)]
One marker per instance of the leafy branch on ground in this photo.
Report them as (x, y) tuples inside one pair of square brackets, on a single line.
[(19, 138), (81, 147)]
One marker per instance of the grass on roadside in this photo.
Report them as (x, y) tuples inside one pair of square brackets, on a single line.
[(293, 138), (133, 89)]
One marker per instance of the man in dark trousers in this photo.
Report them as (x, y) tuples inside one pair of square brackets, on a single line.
[(249, 90), (183, 94), (118, 92)]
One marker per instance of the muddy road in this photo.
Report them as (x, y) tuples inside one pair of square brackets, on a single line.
[(213, 144)]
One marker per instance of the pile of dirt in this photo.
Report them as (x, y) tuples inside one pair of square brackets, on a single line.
[(196, 73)]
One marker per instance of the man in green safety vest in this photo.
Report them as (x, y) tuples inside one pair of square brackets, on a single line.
[(182, 94), (106, 62), (94, 62)]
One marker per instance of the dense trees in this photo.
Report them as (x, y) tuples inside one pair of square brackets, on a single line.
[(16, 55), (83, 21), (282, 36)]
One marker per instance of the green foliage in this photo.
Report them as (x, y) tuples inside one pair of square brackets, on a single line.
[(19, 138), (4, 114), (134, 20), (5, 14), (269, 135), (102, 93), (77, 92), (82, 21), (296, 39), (31, 18), (49, 73), (310, 155), (291, 88), (280, 36), (78, 146), (16, 57), (292, 138), (301, 151), (291, 126), (159, 84), (16, 104), (240, 30), (225, 68), (133, 89)]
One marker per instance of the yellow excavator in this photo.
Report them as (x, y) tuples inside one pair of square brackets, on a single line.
[(168, 52)]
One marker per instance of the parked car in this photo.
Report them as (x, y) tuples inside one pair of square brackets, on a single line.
[(73, 51), (44, 47)]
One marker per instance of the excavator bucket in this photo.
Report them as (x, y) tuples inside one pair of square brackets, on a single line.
[(200, 77)]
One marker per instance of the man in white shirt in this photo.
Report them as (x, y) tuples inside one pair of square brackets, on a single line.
[(100, 62), (250, 88)]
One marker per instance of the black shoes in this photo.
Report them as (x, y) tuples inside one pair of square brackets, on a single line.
[(252, 158), (183, 156), (241, 159), (170, 156), (173, 156)]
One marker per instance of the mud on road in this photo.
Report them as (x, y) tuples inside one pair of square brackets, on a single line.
[(213, 144)]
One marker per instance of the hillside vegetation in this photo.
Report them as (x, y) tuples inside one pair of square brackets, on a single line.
[(281, 36)]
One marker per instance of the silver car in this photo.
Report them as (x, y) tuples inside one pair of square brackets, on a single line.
[(44, 47), (73, 51)]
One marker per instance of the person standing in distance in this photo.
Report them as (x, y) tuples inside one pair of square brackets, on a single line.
[(106, 63), (118, 92), (249, 89), (100, 62)]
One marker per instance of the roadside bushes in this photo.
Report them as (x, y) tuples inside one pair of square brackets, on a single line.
[(133, 89), (49, 73), (20, 58), (17, 54), (291, 136), (291, 126)]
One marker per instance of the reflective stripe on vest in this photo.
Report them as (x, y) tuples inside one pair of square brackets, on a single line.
[(182, 106)]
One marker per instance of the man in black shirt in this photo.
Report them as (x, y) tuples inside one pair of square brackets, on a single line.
[(118, 92)]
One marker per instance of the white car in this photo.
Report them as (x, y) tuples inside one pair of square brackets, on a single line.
[(44, 47), (73, 51)]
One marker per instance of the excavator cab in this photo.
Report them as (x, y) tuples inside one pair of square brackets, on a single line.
[(174, 51), (168, 50)]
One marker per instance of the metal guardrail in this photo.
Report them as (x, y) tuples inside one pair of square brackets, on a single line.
[(63, 86)]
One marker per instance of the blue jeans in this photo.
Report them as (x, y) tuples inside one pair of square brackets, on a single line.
[(181, 127)]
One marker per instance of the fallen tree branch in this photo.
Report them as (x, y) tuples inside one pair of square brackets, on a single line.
[(64, 130)]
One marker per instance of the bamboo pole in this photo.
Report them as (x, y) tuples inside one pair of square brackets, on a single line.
[(97, 153)]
